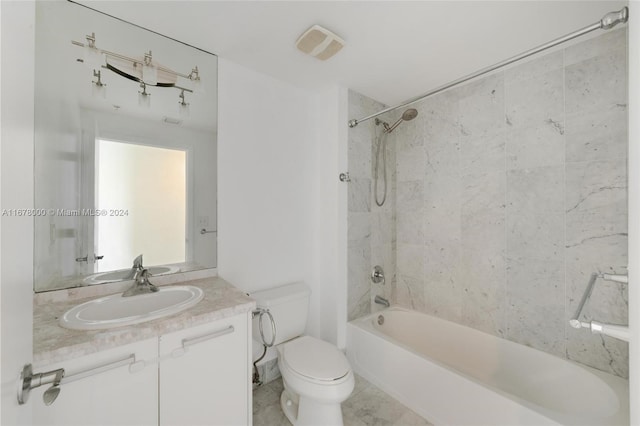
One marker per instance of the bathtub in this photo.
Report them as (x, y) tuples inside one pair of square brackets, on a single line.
[(454, 375)]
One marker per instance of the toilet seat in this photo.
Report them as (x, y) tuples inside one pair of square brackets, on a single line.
[(315, 360)]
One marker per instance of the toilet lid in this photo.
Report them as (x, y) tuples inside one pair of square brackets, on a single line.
[(315, 359)]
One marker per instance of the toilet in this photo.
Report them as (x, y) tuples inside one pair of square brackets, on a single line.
[(317, 376)]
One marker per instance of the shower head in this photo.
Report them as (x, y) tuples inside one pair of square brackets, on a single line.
[(408, 115)]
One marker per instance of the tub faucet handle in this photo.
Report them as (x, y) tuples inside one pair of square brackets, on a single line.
[(377, 275)]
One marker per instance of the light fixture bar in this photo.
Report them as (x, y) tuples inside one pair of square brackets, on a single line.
[(193, 75)]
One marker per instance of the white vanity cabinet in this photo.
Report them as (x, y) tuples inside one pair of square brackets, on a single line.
[(192, 377), (111, 387), (205, 374)]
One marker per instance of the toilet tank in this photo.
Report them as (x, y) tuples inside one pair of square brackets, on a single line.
[(289, 305)]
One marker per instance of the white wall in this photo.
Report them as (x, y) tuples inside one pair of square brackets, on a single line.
[(264, 157), (16, 154), (330, 215), (279, 197)]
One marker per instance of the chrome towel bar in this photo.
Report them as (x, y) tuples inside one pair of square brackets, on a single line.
[(130, 360), (617, 331), (30, 380)]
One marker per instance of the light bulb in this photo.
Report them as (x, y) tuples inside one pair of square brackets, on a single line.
[(99, 91), (98, 88), (144, 97), (183, 109)]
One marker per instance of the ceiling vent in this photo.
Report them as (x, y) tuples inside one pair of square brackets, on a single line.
[(319, 42)]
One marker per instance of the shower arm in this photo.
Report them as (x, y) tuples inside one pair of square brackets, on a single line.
[(609, 21)]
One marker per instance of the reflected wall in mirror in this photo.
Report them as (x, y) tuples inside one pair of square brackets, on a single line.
[(125, 150)]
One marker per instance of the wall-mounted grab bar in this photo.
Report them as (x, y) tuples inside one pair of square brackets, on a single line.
[(129, 360), (618, 278), (30, 380), (613, 330), (574, 321)]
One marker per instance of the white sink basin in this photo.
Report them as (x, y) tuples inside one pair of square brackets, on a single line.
[(116, 311), (113, 276)]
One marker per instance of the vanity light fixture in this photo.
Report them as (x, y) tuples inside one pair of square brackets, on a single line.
[(141, 70)]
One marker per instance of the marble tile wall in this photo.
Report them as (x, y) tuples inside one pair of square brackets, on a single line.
[(510, 191), (371, 228)]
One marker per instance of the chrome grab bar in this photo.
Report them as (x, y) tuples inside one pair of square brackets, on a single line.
[(618, 278), (574, 321), (30, 380), (129, 360), (617, 331), (199, 339)]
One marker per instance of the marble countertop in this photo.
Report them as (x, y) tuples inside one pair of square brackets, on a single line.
[(53, 343)]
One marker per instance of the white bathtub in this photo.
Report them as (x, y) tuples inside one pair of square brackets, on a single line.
[(454, 375)]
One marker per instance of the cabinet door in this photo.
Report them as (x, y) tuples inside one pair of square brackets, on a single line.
[(207, 382), (112, 392)]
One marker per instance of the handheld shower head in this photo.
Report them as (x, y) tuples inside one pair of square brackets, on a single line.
[(408, 115)]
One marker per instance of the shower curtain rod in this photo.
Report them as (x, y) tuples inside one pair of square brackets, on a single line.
[(609, 21)]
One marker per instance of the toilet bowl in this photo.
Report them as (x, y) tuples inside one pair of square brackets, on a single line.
[(317, 377)]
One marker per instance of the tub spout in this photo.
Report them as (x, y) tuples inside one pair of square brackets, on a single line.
[(381, 301)]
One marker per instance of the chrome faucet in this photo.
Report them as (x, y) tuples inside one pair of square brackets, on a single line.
[(136, 268), (137, 262), (381, 301), (141, 285)]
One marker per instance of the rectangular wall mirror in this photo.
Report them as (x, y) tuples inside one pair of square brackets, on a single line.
[(125, 150)]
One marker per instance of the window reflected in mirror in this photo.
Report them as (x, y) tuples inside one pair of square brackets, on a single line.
[(144, 191)]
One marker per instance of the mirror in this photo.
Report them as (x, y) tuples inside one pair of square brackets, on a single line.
[(125, 150)]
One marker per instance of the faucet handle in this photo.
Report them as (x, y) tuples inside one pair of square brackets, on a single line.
[(137, 262)]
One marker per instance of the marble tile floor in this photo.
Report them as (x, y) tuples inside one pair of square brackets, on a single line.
[(366, 406)]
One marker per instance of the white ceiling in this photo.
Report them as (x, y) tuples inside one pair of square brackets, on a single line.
[(394, 49)]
